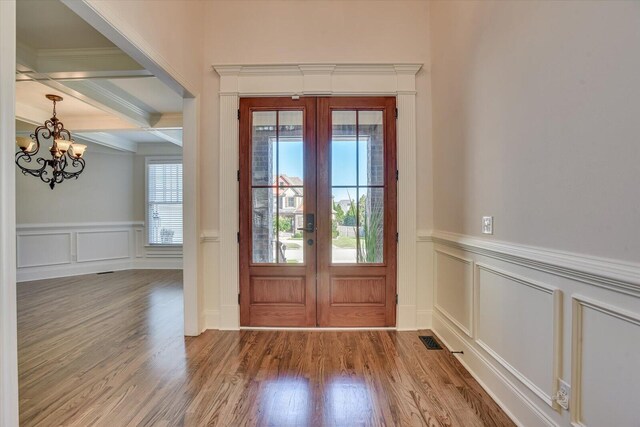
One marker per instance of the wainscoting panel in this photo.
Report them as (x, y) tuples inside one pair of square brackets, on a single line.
[(541, 317), (517, 324), (102, 245), (45, 248), (454, 289), (58, 250), (605, 367)]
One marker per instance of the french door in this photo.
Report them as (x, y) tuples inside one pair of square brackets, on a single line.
[(318, 211)]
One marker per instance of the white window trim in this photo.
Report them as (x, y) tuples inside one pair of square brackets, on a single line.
[(147, 160)]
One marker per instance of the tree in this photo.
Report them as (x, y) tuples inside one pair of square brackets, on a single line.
[(283, 224), (339, 214)]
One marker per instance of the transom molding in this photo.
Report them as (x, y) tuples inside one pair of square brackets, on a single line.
[(317, 79)]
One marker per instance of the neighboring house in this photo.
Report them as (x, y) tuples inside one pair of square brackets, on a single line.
[(290, 200)]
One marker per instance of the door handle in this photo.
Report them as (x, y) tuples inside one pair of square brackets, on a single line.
[(309, 224)]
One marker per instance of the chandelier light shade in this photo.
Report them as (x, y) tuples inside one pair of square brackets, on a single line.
[(66, 156)]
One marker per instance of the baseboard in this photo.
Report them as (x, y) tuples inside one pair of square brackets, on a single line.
[(158, 264), (406, 320), (67, 270), (212, 319), (514, 402), (424, 319), (229, 318)]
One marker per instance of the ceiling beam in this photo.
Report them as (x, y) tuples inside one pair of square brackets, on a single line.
[(26, 74), (73, 60), (166, 137), (48, 66), (167, 121)]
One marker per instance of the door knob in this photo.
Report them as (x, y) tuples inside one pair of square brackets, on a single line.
[(309, 224)]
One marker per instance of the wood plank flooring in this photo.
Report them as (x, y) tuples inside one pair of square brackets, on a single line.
[(108, 350)]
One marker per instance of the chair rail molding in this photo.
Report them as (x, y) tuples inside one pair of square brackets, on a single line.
[(615, 275), (238, 81)]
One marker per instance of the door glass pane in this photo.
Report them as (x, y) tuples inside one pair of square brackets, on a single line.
[(344, 225), (343, 148), (290, 146), (264, 242), (370, 148), (371, 247), (289, 220), (277, 186), (263, 143), (357, 185)]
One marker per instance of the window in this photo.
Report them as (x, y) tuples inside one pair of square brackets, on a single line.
[(291, 202), (164, 201)]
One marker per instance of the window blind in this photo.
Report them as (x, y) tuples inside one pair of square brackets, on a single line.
[(164, 201)]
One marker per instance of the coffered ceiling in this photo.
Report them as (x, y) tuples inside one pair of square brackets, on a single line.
[(109, 99)]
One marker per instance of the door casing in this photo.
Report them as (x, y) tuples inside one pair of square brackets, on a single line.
[(319, 311)]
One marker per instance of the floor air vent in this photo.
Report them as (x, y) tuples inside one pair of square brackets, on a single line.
[(105, 272), (430, 342)]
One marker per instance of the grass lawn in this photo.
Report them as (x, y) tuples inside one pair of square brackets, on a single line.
[(293, 245), (345, 242)]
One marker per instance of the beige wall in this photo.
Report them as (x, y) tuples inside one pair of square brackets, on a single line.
[(103, 193), (535, 122), (277, 32)]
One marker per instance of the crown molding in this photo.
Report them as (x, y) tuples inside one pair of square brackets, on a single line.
[(318, 79)]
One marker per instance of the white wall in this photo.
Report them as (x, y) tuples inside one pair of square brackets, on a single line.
[(285, 32), (534, 122)]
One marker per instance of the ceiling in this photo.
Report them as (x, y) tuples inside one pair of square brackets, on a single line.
[(38, 20), (109, 99)]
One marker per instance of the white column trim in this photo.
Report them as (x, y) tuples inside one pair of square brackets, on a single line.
[(191, 263), (317, 79), (8, 316), (229, 196)]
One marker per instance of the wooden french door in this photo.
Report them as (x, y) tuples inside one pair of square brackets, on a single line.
[(318, 211)]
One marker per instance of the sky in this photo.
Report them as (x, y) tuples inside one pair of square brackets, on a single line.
[(343, 165)]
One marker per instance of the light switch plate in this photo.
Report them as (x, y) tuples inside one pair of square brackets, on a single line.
[(487, 225)]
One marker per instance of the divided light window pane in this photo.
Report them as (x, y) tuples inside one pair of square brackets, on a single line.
[(164, 202)]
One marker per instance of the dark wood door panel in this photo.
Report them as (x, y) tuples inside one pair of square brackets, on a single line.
[(273, 291), (360, 292), (277, 290)]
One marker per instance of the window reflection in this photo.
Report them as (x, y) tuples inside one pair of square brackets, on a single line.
[(348, 403), (285, 402)]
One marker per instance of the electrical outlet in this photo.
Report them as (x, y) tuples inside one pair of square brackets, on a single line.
[(563, 394), (487, 225)]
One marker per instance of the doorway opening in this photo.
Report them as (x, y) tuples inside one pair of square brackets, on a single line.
[(318, 220)]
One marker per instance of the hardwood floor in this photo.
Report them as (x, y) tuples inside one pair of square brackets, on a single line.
[(108, 350)]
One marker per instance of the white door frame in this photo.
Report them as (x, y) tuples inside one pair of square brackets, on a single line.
[(9, 414), (127, 38), (238, 81)]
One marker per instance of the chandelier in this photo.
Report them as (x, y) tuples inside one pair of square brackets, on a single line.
[(66, 160)]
